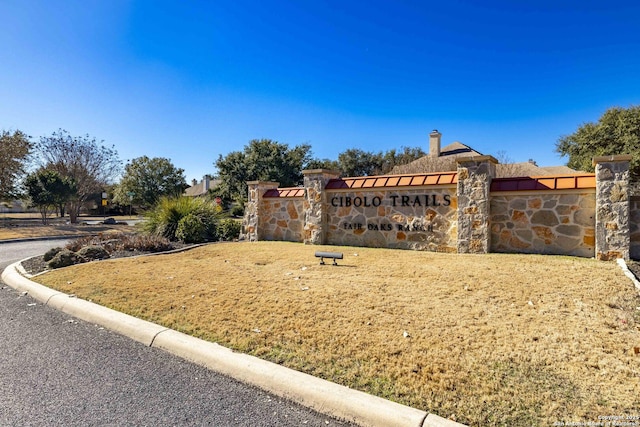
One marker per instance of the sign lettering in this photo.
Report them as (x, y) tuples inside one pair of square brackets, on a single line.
[(426, 200)]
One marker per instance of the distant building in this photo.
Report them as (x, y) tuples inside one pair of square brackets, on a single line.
[(15, 206), (202, 187), (444, 159)]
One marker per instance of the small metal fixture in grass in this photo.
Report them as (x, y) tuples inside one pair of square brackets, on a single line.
[(323, 255)]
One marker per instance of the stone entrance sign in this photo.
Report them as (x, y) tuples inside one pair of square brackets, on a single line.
[(464, 211)]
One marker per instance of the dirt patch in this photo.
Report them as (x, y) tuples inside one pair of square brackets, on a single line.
[(488, 340)]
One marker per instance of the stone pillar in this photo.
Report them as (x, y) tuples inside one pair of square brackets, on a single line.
[(253, 210), (612, 207), (474, 184), (315, 205)]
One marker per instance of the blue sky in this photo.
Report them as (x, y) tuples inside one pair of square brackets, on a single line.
[(190, 81)]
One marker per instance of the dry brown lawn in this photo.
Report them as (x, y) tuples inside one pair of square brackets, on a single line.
[(496, 339)]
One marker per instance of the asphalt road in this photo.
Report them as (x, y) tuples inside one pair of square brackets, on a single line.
[(56, 370)]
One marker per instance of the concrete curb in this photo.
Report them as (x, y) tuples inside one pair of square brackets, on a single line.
[(321, 395), (625, 269), (132, 327), (35, 239)]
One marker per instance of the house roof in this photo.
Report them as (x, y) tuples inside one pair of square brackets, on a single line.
[(195, 190), (445, 162), (450, 153), (558, 170), (201, 188), (458, 149)]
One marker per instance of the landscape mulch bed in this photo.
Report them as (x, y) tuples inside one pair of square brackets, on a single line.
[(37, 265)]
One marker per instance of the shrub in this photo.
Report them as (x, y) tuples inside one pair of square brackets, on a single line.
[(164, 218), (93, 252), (191, 229), (65, 258), (229, 229), (48, 256), (237, 211)]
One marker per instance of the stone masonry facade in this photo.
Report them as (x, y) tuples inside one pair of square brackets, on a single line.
[(475, 175), (613, 237), (634, 225), (464, 211), (283, 219), (424, 220), (527, 222)]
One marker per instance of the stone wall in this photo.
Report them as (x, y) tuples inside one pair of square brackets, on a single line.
[(466, 211), (254, 220), (474, 183), (420, 218), (282, 219), (612, 207), (315, 181), (552, 223)]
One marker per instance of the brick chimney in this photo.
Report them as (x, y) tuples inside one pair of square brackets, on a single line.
[(434, 143)]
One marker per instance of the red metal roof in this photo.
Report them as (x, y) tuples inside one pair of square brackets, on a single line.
[(411, 180), (562, 182), (285, 192)]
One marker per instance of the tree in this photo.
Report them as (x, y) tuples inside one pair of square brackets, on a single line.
[(14, 154), (48, 189), (146, 179), (393, 158), (616, 132), (323, 164), (261, 160), (356, 162), (89, 164)]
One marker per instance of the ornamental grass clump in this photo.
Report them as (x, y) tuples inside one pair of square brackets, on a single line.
[(184, 218)]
